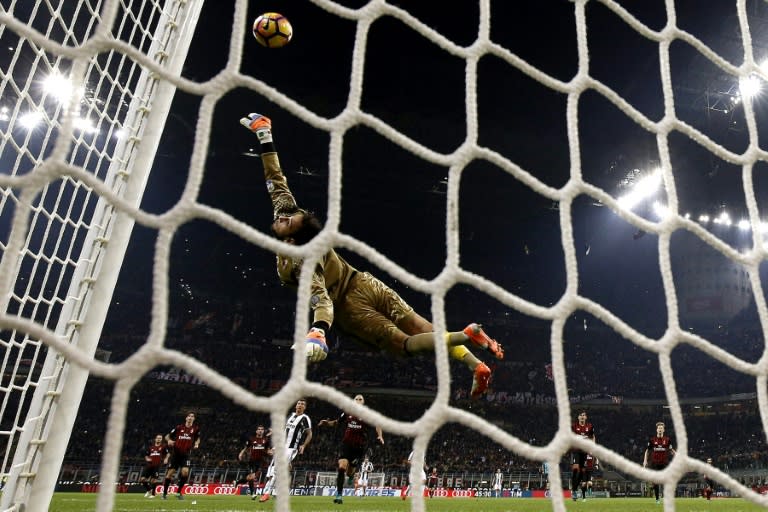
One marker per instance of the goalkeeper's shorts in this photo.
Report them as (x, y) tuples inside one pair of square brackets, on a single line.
[(371, 311)]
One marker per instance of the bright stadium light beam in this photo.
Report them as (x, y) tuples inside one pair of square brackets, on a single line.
[(644, 188), (30, 120), (84, 125), (661, 210), (723, 219), (750, 86), (58, 86)]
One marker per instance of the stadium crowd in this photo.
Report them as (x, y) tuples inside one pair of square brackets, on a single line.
[(521, 400)]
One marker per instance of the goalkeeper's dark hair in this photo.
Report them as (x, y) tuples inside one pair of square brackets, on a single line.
[(310, 227)]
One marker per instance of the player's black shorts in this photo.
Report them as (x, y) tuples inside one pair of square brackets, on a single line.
[(179, 460), (354, 454), (150, 472), (658, 465), (256, 466), (579, 457)]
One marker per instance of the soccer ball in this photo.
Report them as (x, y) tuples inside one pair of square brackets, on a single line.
[(272, 30)]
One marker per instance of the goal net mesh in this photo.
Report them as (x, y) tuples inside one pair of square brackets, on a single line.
[(75, 157)]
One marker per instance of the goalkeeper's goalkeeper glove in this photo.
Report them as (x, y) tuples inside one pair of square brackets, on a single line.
[(317, 349), (260, 125)]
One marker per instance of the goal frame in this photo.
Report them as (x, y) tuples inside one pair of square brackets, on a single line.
[(40, 449)]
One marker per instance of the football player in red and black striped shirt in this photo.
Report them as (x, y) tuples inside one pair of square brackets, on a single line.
[(660, 448), (585, 429), (256, 451), (181, 441), (354, 444), (155, 456)]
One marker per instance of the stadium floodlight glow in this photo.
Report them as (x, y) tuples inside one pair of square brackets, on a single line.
[(703, 219), (84, 124), (764, 66), (744, 225), (119, 133), (750, 86), (30, 120), (642, 189), (661, 210), (723, 219), (58, 86)]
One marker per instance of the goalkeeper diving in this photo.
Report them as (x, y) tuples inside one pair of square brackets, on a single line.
[(349, 300)]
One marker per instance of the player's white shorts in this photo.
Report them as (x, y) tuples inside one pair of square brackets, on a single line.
[(289, 452)]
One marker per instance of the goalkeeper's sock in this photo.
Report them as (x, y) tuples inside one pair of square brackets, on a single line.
[(458, 353), (250, 486), (425, 342), (166, 483), (340, 482)]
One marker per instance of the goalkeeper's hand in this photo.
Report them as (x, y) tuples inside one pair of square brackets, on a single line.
[(260, 125), (317, 349)]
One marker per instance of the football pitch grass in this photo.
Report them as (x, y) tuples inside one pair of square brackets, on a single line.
[(76, 502)]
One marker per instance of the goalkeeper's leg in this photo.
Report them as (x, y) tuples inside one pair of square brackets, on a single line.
[(422, 339), (473, 334)]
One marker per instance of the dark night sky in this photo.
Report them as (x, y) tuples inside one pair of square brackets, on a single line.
[(394, 201)]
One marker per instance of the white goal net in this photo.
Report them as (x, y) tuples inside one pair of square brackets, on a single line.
[(86, 87), (84, 105)]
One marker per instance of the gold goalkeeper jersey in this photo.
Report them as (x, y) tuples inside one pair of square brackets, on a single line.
[(332, 274)]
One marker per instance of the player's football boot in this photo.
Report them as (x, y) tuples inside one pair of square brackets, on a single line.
[(480, 339), (264, 497), (179, 496), (480, 380), (338, 500)]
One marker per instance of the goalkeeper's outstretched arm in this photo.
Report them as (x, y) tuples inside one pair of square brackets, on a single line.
[(296, 226)]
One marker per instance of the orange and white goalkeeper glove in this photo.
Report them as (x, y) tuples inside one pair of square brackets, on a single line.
[(260, 125), (317, 349)]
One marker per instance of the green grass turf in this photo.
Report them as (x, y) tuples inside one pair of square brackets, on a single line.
[(76, 502)]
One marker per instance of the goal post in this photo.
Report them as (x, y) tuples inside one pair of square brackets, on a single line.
[(327, 479), (65, 245)]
